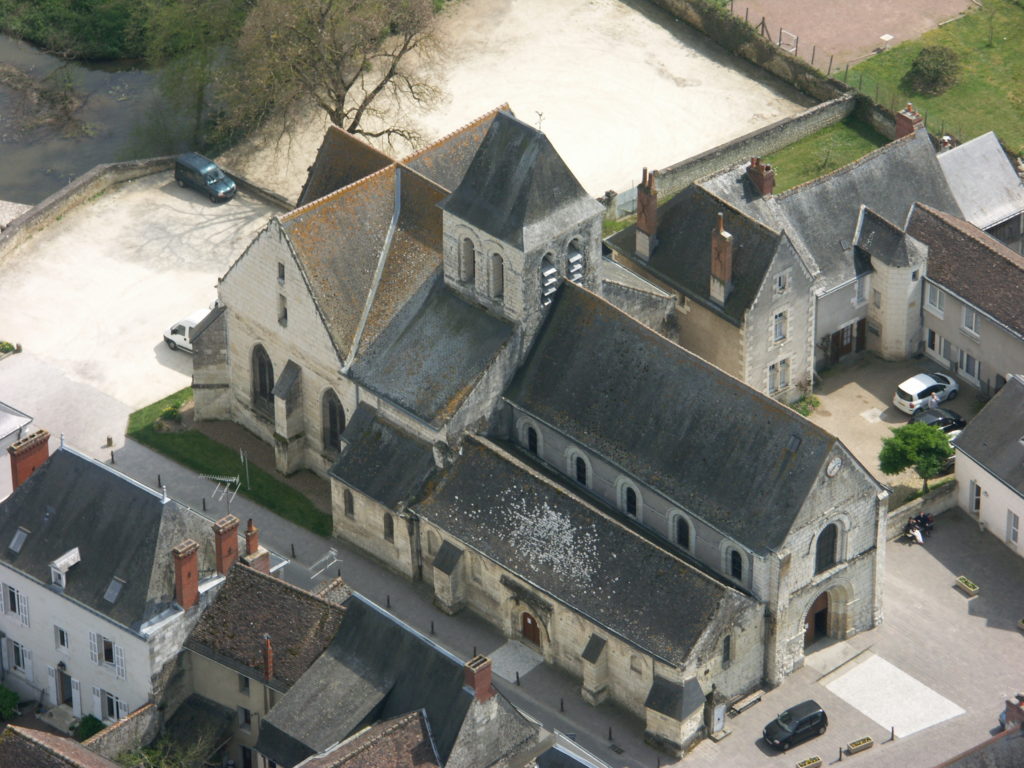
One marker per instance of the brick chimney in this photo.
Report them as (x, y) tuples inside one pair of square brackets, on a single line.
[(478, 676), (908, 120), (255, 556), (721, 262), (186, 573), (762, 176), (646, 217), (27, 455), (225, 539), (268, 658)]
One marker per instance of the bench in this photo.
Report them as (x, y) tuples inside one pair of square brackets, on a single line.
[(746, 703)]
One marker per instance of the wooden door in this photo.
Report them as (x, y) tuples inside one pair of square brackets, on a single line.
[(816, 622), (861, 342), (846, 340), (531, 630)]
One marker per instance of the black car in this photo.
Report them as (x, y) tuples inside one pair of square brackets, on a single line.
[(798, 723), (946, 420), (201, 173)]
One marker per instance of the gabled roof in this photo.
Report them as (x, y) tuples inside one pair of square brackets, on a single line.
[(683, 254), (251, 605), (446, 160), (518, 189), (882, 240), (976, 267), (983, 181), (549, 537), (820, 216), (705, 440), (12, 425), (381, 460), (995, 437), (28, 748), (401, 742), (121, 529), (342, 159)]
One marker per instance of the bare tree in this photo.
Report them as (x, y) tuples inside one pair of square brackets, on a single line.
[(350, 58)]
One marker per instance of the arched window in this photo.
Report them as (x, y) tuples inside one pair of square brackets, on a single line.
[(736, 565), (497, 276), (825, 555), (531, 440), (389, 527), (682, 532), (262, 381), (548, 281), (575, 262), (333, 421), (350, 507), (467, 261), (581, 470), (629, 499)]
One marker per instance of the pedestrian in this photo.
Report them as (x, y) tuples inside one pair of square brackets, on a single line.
[(933, 400)]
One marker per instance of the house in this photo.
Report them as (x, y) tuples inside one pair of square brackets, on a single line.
[(254, 641), (973, 300), (401, 742), (444, 333), (990, 464), (23, 747), (102, 580)]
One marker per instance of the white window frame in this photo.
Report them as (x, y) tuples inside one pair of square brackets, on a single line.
[(934, 299), (98, 654), (20, 659), (104, 701), (570, 467), (779, 376), (969, 321), (963, 365), (782, 282), (245, 718), (860, 288), (780, 326), (623, 485), (15, 603), (1012, 527), (975, 497), (64, 647)]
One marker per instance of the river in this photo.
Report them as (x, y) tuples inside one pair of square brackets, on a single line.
[(117, 102)]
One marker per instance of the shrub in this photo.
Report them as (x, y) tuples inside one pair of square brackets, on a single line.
[(8, 703), (935, 70), (87, 727), (5, 347), (171, 413)]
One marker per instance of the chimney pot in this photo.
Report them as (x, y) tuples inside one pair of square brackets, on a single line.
[(721, 261), (225, 537), (27, 455), (646, 216), (762, 176), (478, 676), (186, 573), (252, 538), (908, 120)]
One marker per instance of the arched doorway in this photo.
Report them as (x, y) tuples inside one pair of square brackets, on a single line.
[(816, 622), (530, 628)]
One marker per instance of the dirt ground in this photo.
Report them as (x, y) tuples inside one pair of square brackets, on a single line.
[(849, 30), (615, 85)]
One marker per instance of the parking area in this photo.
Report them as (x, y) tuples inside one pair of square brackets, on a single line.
[(856, 406), (89, 298)]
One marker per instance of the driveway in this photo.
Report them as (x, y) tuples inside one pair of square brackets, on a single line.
[(856, 406), (90, 297)]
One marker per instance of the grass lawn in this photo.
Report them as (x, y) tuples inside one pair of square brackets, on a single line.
[(989, 96), (823, 152), (196, 451)]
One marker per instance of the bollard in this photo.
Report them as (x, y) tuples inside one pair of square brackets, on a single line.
[(159, 482), (339, 573), (204, 503), (840, 755), (112, 458), (517, 677), (561, 705), (892, 733), (474, 651), (387, 600), (610, 733), (293, 551), (110, 441), (829, 73), (431, 627)]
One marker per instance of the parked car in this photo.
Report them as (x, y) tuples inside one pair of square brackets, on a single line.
[(915, 393), (798, 723), (948, 421), (180, 334), (201, 173)]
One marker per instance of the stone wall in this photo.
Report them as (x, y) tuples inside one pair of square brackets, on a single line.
[(136, 730), (934, 503)]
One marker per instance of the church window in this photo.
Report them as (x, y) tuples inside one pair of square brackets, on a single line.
[(389, 527), (581, 470), (630, 501), (497, 276), (262, 381), (736, 565), (333, 421), (575, 263), (531, 440), (548, 282), (350, 507), (682, 532), (726, 650), (282, 309), (825, 554), (467, 261), (280, 272)]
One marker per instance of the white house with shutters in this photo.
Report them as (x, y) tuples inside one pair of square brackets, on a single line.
[(102, 579)]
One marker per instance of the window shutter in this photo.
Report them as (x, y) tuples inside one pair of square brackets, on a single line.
[(119, 661), (23, 608), (94, 652), (97, 704), (76, 698), (122, 709), (51, 675), (28, 664), (3, 601), (5, 653)]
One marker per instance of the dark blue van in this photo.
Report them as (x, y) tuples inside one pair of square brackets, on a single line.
[(201, 173)]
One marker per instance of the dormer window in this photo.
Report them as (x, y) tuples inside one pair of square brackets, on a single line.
[(57, 577), (113, 590), (59, 567), (18, 540)]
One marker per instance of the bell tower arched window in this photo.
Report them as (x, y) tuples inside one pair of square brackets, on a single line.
[(497, 276), (262, 382), (467, 261), (333, 421), (548, 281), (825, 554)]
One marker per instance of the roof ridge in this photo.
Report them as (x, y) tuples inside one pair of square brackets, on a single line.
[(329, 197), (462, 129), (979, 236), (385, 729), (26, 733), (287, 584)]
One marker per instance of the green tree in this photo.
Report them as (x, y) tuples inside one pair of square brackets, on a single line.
[(166, 753), (921, 446), (934, 70)]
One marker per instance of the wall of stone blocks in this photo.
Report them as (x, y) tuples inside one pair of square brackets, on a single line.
[(137, 730), (366, 529), (934, 503), (707, 334)]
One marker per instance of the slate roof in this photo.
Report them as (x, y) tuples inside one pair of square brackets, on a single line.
[(518, 189), (983, 181), (549, 537), (252, 604), (381, 460), (973, 265), (820, 216), (446, 161), (377, 668), (738, 459), (121, 528), (882, 240), (341, 160), (12, 425), (675, 700), (1004, 750), (428, 359), (683, 254), (29, 748), (993, 437), (401, 742)]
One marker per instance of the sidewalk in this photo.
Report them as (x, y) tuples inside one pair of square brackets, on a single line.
[(544, 690)]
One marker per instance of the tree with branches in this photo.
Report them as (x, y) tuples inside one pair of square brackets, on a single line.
[(922, 446)]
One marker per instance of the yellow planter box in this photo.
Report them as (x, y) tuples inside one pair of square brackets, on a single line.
[(810, 762), (859, 745), (966, 586)]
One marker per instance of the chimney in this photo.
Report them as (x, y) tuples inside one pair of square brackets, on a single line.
[(225, 537), (186, 573), (762, 176), (721, 262), (27, 455), (478, 677), (1015, 711), (908, 120), (646, 217), (268, 658), (256, 557)]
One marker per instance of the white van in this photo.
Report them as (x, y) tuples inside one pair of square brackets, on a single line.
[(180, 334)]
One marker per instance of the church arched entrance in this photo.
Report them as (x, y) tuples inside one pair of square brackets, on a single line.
[(530, 628), (816, 623)]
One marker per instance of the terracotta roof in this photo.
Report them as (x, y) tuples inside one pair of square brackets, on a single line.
[(971, 264), (402, 742), (28, 748), (252, 604)]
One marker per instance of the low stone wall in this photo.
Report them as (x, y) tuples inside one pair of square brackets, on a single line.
[(934, 503), (139, 729)]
